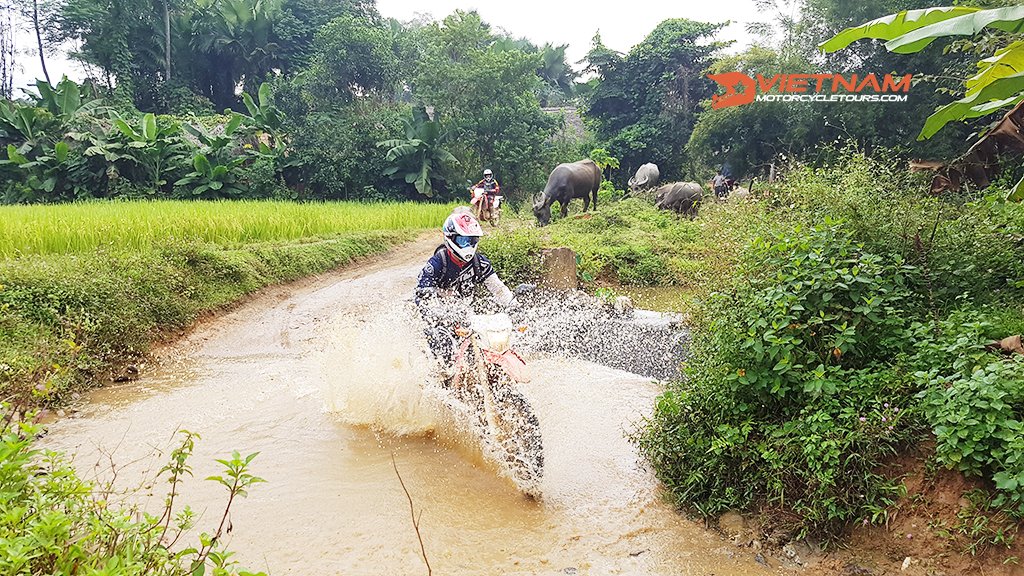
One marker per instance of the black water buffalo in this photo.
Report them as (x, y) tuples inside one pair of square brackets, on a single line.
[(579, 179), (682, 197), (646, 177)]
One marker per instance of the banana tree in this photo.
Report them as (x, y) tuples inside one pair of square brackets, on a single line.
[(153, 147), (420, 158), (56, 173), (998, 83), (65, 100), (26, 126), (210, 181), (216, 147)]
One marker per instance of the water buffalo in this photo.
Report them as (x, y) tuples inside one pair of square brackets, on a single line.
[(646, 177), (682, 197), (579, 179)]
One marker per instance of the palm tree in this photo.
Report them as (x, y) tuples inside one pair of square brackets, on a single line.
[(238, 34)]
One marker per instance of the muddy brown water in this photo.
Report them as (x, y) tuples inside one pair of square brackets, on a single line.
[(324, 380)]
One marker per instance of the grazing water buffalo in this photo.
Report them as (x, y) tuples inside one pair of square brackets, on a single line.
[(579, 179), (682, 197), (646, 177)]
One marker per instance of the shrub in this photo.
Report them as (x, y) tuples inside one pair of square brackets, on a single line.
[(514, 256), (56, 523), (782, 404), (973, 400)]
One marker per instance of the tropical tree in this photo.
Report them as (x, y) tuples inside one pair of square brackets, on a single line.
[(603, 159), (353, 55), (420, 158), (997, 84), (238, 37), (645, 103), (487, 98)]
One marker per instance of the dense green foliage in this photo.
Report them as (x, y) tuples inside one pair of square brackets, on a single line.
[(646, 102), (55, 522), (997, 84), (822, 356), (321, 85), (840, 318), (344, 79), (749, 139)]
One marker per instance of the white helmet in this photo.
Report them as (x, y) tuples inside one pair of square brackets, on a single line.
[(488, 173), (462, 232)]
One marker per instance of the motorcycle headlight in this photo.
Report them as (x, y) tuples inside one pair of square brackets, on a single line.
[(493, 330), (496, 340)]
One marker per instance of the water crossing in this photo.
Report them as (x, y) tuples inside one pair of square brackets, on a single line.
[(326, 382)]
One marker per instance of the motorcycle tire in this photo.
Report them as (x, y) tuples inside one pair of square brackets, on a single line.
[(518, 429)]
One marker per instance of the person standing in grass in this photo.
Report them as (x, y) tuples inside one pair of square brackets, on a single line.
[(721, 185)]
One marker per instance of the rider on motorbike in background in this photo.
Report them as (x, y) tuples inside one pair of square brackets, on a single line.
[(490, 185), (456, 267)]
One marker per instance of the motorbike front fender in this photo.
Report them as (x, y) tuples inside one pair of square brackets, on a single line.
[(511, 363)]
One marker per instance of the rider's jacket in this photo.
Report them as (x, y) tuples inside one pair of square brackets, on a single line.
[(443, 272), (491, 188)]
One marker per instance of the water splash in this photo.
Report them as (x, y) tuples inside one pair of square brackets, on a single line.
[(642, 342), (375, 367)]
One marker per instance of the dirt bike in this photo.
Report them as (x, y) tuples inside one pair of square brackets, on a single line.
[(486, 207), (486, 371)]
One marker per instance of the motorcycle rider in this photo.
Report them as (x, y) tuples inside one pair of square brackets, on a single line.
[(456, 267), (489, 184)]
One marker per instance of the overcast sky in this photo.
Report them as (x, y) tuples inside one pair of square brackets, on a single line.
[(622, 24)]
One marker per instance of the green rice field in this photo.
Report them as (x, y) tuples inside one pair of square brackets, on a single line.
[(82, 227)]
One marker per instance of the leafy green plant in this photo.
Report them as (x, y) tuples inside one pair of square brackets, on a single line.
[(27, 126), (151, 149), (827, 307), (217, 146), (420, 158), (263, 115), (782, 404), (997, 84), (57, 523), (979, 426), (603, 159), (65, 101), (208, 181)]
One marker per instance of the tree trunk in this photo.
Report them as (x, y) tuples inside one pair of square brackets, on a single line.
[(39, 39), (7, 64), (167, 40)]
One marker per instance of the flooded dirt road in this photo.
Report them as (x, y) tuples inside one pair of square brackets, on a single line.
[(324, 380)]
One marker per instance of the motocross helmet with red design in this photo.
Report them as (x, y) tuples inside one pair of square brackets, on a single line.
[(462, 232)]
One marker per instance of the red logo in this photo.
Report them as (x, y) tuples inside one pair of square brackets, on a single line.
[(809, 88), (730, 80)]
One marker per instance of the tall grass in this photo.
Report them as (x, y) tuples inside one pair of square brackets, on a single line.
[(82, 227)]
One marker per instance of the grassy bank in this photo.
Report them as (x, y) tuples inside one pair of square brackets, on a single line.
[(632, 248), (841, 319), (94, 285)]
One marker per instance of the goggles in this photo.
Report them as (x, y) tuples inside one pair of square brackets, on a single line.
[(466, 241)]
